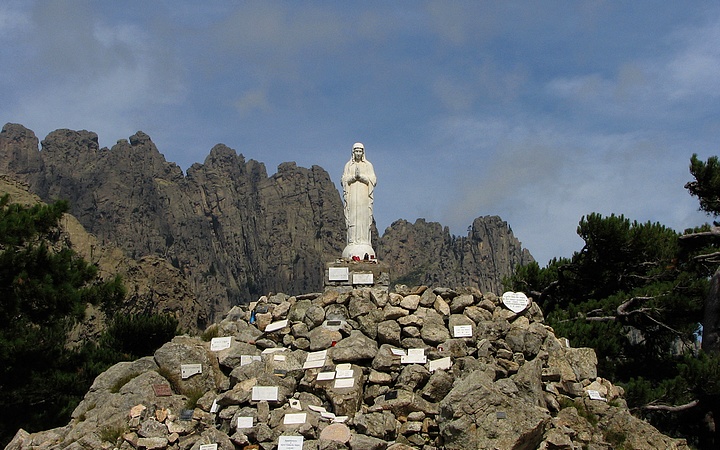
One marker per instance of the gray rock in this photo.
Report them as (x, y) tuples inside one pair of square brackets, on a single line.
[(388, 332), (357, 347)]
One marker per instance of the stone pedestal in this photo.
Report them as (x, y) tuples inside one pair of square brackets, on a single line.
[(357, 274)]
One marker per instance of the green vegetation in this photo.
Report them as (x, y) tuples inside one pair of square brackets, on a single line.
[(44, 289), (639, 294)]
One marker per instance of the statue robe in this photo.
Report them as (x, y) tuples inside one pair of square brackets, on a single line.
[(358, 195)]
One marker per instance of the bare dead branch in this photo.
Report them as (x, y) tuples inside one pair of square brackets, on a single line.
[(678, 408)]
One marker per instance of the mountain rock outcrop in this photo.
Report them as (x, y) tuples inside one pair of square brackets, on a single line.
[(426, 253), (233, 231), (418, 368)]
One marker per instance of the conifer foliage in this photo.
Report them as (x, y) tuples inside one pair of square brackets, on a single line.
[(44, 289)]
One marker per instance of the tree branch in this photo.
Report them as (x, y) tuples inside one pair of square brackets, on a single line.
[(668, 408)]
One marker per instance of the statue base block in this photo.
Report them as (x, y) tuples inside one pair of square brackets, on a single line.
[(357, 274)]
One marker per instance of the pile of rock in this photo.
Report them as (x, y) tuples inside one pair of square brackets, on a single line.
[(360, 369)]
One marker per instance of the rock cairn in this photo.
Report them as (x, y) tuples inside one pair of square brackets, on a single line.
[(359, 369)]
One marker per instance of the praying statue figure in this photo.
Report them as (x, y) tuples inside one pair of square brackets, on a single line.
[(358, 182)]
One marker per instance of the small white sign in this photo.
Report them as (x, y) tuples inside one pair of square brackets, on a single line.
[(338, 274), (316, 408), (208, 447), (247, 359), (315, 356), (215, 407), (515, 301), (340, 419), (362, 278), (595, 395), (325, 376), (290, 442), (245, 422), (414, 356), (220, 343), (327, 415), (440, 364), (461, 331), (279, 325), (294, 418), (344, 373), (271, 350), (188, 370), (279, 357), (344, 383), (267, 393), (344, 366), (314, 364), (398, 352), (295, 404)]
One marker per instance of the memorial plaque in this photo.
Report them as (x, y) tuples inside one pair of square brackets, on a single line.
[(186, 414), (327, 415), (280, 372), (245, 422), (267, 393), (362, 278), (220, 343), (595, 395), (440, 364), (344, 366), (344, 383), (208, 447), (325, 376), (162, 390), (501, 415), (315, 356), (334, 323), (515, 301), (338, 274), (279, 325), (247, 359), (294, 418), (398, 352), (188, 370), (414, 356), (340, 419), (392, 395), (461, 331), (318, 409), (295, 404), (279, 357), (344, 373), (290, 443), (215, 407), (314, 364), (261, 308)]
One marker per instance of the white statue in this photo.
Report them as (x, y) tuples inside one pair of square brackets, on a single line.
[(358, 182)]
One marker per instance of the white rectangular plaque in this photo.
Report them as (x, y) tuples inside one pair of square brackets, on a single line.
[(340, 419), (344, 366), (414, 356), (595, 395), (362, 278), (247, 359), (316, 408), (245, 422), (208, 447), (279, 325), (460, 331), (290, 442), (220, 343), (279, 357), (398, 352), (344, 383), (188, 370), (267, 393), (344, 373), (440, 364), (294, 418), (315, 356), (271, 350), (327, 415), (325, 376), (338, 274), (215, 407), (314, 364)]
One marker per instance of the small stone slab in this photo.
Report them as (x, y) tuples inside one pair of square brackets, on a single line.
[(220, 343), (162, 390), (338, 432), (290, 442)]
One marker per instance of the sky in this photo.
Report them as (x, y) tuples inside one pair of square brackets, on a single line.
[(538, 112)]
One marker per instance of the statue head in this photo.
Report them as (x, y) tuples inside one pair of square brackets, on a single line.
[(358, 152)]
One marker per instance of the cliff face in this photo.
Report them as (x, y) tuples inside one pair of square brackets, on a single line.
[(426, 253), (233, 231)]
